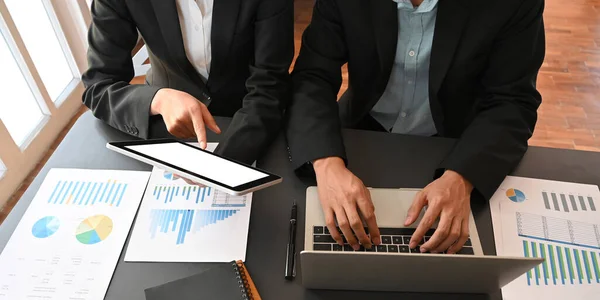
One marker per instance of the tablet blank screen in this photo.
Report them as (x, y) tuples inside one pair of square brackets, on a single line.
[(200, 162)]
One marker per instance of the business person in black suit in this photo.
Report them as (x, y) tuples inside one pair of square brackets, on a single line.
[(225, 58), (464, 69)]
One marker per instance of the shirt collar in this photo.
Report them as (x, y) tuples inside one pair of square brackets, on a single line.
[(426, 6)]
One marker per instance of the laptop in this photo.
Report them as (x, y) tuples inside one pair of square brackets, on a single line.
[(392, 266)]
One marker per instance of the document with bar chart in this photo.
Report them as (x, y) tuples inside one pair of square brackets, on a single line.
[(69, 240), (179, 222), (557, 221)]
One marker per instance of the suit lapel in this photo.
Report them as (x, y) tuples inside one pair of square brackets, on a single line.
[(168, 21), (452, 16), (225, 16), (384, 14)]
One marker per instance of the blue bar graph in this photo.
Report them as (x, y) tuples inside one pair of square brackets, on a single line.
[(83, 193), (179, 221), (564, 265), (171, 193)]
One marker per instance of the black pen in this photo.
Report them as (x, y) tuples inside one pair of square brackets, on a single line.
[(291, 246)]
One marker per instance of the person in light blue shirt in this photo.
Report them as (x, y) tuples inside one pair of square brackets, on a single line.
[(461, 69), (404, 106)]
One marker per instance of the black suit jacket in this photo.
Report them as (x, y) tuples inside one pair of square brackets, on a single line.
[(484, 63), (252, 49)]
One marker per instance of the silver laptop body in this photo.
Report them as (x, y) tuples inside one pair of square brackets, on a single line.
[(397, 271)]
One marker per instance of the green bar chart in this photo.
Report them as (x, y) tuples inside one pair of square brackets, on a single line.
[(562, 265)]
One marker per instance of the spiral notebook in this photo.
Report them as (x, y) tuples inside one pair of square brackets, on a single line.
[(226, 282)]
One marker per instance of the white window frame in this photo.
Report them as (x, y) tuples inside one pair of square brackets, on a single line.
[(72, 18)]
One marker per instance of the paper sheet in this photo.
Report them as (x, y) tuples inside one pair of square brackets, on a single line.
[(178, 222), (558, 221), (69, 240)]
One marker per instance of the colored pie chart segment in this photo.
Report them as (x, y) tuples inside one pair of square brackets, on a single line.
[(45, 227), (94, 229), (169, 176), (515, 195)]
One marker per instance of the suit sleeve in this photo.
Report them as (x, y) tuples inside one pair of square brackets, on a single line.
[(506, 113), (112, 37), (259, 121), (314, 127)]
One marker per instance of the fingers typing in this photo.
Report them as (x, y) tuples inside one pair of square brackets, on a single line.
[(441, 233), (453, 236), (357, 226), (330, 222), (426, 223), (464, 236), (344, 224)]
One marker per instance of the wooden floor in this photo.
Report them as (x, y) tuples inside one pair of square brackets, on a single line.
[(569, 79)]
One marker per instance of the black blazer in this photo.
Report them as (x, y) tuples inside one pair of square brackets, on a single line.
[(252, 49), (484, 63)]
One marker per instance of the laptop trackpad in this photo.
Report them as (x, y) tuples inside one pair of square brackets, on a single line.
[(392, 205)]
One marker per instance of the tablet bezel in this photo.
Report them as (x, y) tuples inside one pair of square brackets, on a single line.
[(238, 189)]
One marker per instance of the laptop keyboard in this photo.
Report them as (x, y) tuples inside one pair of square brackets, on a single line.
[(394, 240)]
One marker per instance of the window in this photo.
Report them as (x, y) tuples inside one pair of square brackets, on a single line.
[(42, 53), (19, 109), (43, 43)]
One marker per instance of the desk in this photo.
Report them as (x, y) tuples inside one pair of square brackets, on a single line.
[(379, 159)]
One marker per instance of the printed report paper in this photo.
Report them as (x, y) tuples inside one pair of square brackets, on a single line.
[(69, 240)]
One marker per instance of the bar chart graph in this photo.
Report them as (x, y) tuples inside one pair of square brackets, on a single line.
[(568, 202), (180, 222), (562, 265), (170, 193), (165, 193), (85, 193), (558, 230)]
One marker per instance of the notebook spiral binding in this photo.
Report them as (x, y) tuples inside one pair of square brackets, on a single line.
[(242, 281)]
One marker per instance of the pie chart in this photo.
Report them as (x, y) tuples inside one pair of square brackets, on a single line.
[(515, 195), (169, 176), (94, 229), (45, 227)]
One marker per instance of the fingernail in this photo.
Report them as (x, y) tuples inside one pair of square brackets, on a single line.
[(355, 247), (423, 250), (412, 245), (377, 240), (407, 221), (203, 144)]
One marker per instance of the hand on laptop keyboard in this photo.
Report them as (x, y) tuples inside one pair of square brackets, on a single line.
[(447, 198), (345, 199)]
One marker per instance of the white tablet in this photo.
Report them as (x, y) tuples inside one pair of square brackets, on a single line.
[(197, 165)]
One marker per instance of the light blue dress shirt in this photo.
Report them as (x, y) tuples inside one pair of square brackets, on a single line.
[(404, 105)]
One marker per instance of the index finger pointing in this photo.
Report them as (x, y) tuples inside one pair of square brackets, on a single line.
[(199, 128)]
